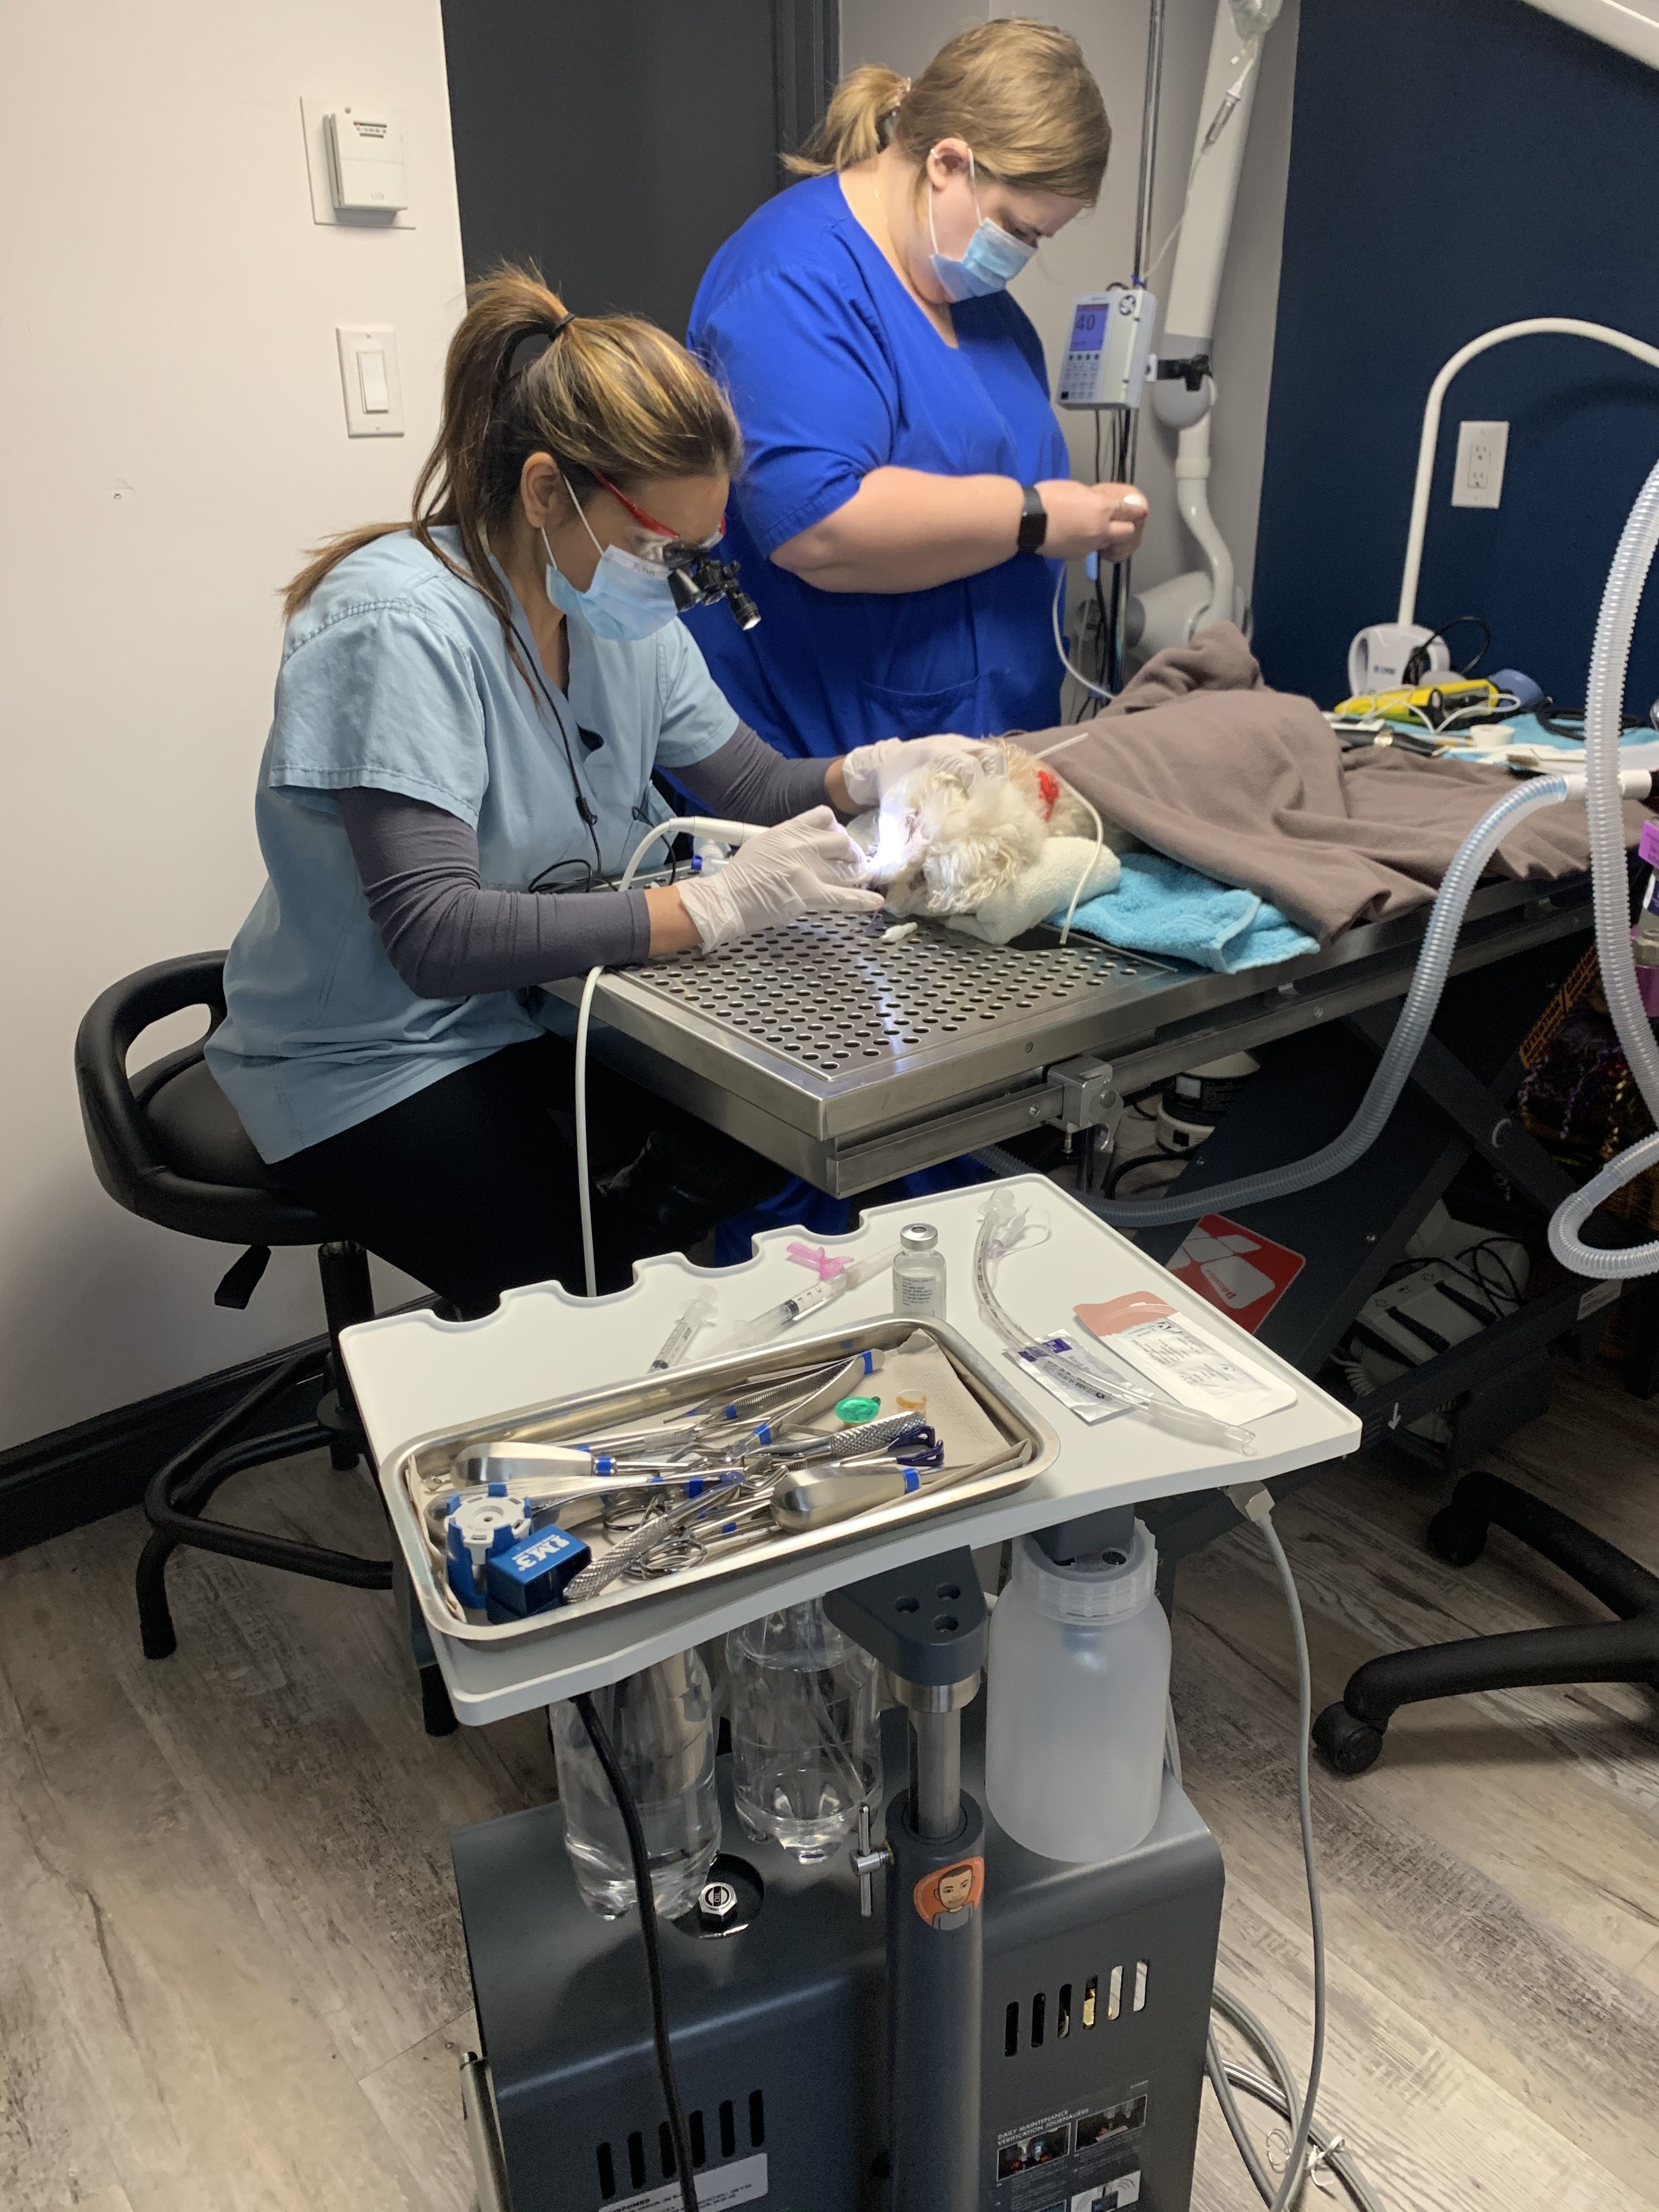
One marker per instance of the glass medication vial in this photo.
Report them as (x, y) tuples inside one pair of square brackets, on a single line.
[(919, 1273)]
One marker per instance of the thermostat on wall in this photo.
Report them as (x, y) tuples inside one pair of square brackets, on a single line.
[(365, 162), (357, 163)]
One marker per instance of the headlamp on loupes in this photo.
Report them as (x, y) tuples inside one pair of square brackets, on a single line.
[(697, 577)]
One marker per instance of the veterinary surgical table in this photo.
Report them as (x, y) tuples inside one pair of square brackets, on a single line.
[(850, 1061)]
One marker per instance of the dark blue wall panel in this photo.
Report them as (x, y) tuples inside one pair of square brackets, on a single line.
[(1456, 164)]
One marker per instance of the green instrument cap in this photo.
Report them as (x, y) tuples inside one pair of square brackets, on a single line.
[(853, 1411)]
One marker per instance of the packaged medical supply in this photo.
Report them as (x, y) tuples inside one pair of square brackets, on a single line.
[(1183, 1355)]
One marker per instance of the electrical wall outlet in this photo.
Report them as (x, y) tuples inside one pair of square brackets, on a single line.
[(1478, 477)]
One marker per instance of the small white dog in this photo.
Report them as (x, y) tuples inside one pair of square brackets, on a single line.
[(961, 833)]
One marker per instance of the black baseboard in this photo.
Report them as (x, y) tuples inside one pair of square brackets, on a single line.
[(75, 1475)]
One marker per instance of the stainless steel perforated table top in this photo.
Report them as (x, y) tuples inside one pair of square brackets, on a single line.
[(849, 1058)]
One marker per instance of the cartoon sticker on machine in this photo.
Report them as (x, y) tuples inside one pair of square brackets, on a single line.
[(949, 1897)]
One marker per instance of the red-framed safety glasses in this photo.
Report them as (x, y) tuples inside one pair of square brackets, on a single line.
[(677, 549)]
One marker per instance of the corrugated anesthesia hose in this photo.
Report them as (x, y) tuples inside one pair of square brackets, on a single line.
[(1604, 720), (1416, 1016)]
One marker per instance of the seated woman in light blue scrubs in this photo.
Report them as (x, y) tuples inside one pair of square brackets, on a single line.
[(469, 712), (905, 496)]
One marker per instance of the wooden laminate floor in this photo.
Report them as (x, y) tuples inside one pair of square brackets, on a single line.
[(231, 1972)]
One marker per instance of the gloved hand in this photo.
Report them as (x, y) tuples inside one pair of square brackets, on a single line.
[(809, 866), (871, 770)]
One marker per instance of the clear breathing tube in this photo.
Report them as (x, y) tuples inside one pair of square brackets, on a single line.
[(1434, 965), (1604, 720), (1002, 1226), (734, 833)]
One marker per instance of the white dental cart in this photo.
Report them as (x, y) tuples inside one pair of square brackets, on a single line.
[(415, 1376)]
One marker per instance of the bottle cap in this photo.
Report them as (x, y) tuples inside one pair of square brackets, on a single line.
[(918, 1237), (856, 1410), (1090, 1593)]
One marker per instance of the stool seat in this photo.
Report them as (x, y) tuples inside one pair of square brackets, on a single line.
[(167, 1143), (198, 1133)]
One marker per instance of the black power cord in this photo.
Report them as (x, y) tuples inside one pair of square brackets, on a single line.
[(605, 1752)]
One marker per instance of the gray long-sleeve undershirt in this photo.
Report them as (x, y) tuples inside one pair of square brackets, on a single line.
[(448, 936)]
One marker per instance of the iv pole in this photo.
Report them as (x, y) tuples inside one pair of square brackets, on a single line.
[(1143, 224)]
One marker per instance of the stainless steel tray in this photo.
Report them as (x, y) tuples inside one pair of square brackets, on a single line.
[(429, 1460)]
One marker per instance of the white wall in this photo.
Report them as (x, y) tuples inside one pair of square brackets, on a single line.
[(1098, 248), (174, 436)]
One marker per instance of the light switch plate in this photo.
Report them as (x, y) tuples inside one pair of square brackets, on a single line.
[(323, 209), (1478, 474), (379, 341)]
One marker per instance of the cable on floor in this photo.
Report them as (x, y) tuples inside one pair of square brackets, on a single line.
[(1296, 2107), (604, 1752)]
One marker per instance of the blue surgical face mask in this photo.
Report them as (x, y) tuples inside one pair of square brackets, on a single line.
[(628, 599), (990, 258)]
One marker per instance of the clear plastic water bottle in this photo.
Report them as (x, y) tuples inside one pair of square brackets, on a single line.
[(662, 1724), (805, 1739), (919, 1273)]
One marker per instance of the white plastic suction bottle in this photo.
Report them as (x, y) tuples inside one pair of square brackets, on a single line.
[(1078, 1677)]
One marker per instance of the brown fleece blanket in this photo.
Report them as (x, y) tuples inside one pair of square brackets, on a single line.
[(1200, 760)]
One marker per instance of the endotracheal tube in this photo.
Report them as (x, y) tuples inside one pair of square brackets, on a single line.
[(1003, 1225)]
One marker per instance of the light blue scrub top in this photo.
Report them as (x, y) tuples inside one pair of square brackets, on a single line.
[(396, 676), (834, 371)]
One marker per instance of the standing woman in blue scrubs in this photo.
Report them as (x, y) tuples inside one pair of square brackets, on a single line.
[(905, 493), (469, 710)]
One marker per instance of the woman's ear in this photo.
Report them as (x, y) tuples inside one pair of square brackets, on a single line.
[(950, 158), (541, 489)]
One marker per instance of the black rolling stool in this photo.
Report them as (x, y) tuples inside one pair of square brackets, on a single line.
[(167, 1145), (1623, 1649)]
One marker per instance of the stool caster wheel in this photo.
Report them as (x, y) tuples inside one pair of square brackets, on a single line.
[(1452, 1537), (435, 1709), (1350, 1745)]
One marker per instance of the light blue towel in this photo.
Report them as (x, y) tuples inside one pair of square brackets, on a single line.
[(1160, 906)]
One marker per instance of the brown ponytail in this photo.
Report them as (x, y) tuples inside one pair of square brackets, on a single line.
[(1020, 93), (609, 395)]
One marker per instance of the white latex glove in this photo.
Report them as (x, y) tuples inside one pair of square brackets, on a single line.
[(809, 866), (871, 770)]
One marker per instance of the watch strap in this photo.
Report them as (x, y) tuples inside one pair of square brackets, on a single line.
[(1033, 520)]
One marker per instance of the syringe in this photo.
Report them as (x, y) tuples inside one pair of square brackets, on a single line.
[(697, 1316), (812, 1300)]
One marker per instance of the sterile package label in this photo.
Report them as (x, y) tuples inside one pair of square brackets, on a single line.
[(1074, 1400), (743, 2183), (1186, 1359)]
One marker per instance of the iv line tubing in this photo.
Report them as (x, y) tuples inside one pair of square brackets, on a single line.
[(1534, 326), (712, 825)]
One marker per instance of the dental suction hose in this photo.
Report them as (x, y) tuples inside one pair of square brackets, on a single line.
[(1603, 722), (734, 833), (1423, 1000)]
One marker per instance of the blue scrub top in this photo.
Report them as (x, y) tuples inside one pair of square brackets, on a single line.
[(396, 676), (834, 371)]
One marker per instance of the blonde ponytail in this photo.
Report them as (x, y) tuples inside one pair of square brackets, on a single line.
[(1020, 93), (855, 128), (602, 395)]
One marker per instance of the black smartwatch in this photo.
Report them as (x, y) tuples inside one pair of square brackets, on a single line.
[(1033, 521)]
